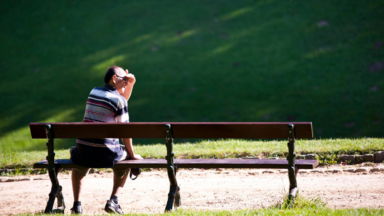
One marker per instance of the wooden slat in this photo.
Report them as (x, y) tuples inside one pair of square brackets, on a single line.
[(197, 163), (63, 163), (243, 163), (246, 130)]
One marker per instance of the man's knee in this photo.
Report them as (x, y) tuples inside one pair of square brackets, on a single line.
[(120, 172), (81, 172)]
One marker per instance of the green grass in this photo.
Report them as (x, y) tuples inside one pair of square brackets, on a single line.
[(196, 61), (299, 202), (217, 149), (301, 206)]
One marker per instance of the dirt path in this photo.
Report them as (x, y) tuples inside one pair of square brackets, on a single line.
[(209, 189)]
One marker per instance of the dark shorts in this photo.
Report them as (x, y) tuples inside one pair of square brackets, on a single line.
[(119, 172)]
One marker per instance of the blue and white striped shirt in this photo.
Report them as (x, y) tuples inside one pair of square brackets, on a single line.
[(104, 104)]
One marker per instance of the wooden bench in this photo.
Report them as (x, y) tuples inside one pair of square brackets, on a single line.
[(247, 130)]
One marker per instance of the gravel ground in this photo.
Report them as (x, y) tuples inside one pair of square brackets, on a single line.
[(200, 189)]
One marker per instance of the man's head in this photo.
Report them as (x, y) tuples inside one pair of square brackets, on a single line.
[(116, 77)]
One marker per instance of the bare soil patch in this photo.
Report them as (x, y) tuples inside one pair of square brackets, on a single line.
[(209, 190)]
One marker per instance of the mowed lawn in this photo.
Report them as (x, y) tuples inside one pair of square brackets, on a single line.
[(198, 61), (218, 149)]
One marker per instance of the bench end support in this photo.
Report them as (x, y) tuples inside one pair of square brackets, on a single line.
[(53, 171), (292, 169), (174, 191)]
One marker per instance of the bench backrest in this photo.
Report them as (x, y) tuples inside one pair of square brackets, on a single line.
[(247, 130)]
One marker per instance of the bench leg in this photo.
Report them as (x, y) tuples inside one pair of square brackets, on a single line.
[(292, 170), (174, 190), (56, 192), (53, 171), (51, 199), (177, 195), (60, 201), (292, 183)]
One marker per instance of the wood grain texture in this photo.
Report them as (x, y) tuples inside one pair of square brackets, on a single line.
[(203, 130), (197, 163)]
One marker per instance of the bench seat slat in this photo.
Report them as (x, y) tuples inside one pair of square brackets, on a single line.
[(197, 163)]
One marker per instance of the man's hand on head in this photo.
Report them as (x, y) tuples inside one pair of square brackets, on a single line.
[(128, 81), (131, 79)]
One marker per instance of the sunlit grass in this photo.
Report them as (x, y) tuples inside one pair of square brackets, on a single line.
[(217, 149), (252, 61), (243, 148)]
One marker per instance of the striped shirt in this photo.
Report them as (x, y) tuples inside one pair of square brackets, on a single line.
[(104, 104)]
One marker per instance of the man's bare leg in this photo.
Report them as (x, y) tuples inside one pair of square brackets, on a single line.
[(77, 182), (118, 184), (119, 179)]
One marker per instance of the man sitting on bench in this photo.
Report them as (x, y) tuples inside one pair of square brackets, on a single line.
[(105, 104)]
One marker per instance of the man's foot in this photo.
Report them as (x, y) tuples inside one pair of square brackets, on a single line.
[(77, 210), (113, 208)]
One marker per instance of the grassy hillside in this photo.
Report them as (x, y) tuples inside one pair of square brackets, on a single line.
[(270, 60)]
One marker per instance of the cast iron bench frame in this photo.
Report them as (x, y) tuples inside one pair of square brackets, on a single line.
[(170, 130)]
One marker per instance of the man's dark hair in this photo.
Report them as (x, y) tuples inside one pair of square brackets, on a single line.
[(110, 72)]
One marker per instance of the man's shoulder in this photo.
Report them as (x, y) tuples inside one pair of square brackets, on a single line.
[(108, 94), (99, 89), (104, 92)]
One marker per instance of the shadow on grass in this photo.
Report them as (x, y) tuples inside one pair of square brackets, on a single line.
[(243, 61)]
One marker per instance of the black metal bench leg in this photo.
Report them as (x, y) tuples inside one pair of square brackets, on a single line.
[(177, 195), (60, 197), (174, 190), (56, 192), (60, 201), (292, 183), (51, 200), (292, 171), (53, 171)]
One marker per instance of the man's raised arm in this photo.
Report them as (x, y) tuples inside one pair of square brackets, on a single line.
[(131, 80)]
